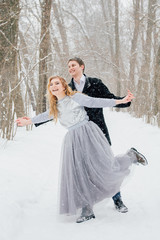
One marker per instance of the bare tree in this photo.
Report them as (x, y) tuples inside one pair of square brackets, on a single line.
[(156, 103), (43, 55), (11, 98), (145, 72), (134, 45), (117, 48)]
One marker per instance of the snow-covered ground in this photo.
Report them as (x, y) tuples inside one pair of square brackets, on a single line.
[(29, 169)]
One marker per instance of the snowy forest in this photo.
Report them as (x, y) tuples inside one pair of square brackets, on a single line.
[(118, 40)]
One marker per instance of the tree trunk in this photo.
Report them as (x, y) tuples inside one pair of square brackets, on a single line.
[(61, 27), (43, 55), (117, 49), (10, 94), (145, 74), (134, 47), (156, 104)]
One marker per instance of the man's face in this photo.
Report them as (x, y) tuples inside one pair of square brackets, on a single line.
[(75, 69)]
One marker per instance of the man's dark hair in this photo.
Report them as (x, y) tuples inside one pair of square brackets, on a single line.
[(78, 60)]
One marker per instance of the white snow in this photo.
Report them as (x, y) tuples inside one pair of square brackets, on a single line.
[(29, 170)]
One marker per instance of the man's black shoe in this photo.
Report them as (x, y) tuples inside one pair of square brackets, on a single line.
[(119, 205)]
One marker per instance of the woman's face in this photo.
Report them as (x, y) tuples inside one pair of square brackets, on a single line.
[(56, 87)]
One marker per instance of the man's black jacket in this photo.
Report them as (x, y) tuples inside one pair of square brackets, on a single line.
[(94, 87)]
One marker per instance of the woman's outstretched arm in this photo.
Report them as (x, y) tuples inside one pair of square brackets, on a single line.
[(92, 102), (24, 121)]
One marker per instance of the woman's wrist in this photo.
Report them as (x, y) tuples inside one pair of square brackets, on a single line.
[(119, 102), (29, 122)]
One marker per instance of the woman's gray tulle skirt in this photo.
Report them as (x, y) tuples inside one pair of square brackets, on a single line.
[(89, 171)]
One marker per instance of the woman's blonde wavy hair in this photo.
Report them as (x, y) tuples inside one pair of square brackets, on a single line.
[(53, 99)]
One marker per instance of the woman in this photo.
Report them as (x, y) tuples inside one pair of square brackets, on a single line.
[(90, 172)]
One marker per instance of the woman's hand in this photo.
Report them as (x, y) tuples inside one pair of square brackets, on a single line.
[(23, 121), (126, 99)]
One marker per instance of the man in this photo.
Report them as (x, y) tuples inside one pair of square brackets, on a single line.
[(95, 88)]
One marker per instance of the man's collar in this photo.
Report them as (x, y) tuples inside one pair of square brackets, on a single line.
[(86, 86), (82, 79)]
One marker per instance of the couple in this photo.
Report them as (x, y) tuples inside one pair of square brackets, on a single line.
[(95, 88), (89, 172)]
